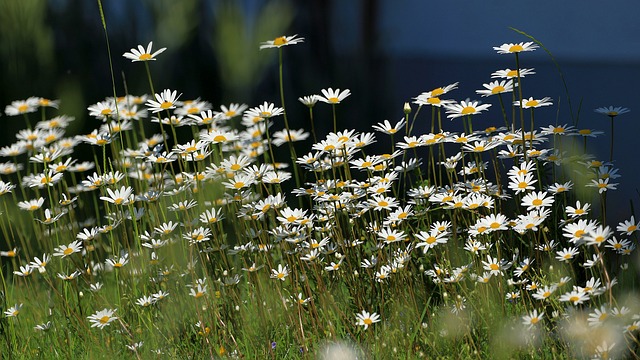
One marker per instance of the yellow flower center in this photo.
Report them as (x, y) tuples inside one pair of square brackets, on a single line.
[(494, 225), (292, 218), (515, 48), (534, 320), (105, 319), (144, 57), (531, 103), (280, 41), (383, 203), (280, 275), (333, 100), (468, 110), (165, 105), (22, 108), (512, 73), (238, 185), (433, 100), (105, 112), (585, 132), (430, 240), (632, 228), (612, 113), (536, 202), (391, 238), (494, 267), (367, 321), (574, 298), (437, 92), (68, 251), (498, 89)]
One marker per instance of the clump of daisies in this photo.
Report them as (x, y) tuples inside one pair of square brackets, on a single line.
[(407, 228)]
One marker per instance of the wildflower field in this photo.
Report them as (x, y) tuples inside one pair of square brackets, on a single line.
[(183, 229)]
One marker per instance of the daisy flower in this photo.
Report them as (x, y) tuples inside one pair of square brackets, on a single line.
[(495, 87), (124, 196), (333, 96), (142, 54), (602, 185), (535, 200), (102, 318), (612, 111), (566, 254), (510, 74), (66, 250), (628, 226), (309, 101), (13, 311), (281, 41), (465, 108), (387, 128), (578, 210), (19, 107), (365, 319), (281, 273), (575, 297), (515, 48), (533, 103), (430, 239), (164, 101), (532, 318)]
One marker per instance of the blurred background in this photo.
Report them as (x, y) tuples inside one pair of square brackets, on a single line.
[(384, 51)]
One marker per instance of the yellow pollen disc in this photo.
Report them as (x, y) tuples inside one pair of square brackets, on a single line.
[(498, 89), (193, 110), (191, 149), (482, 229), (632, 228), (199, 294), (45, 180), (413, 144), (574, 298), (391, 238), (462, 140), (333, 100), (599, 239), (104, 319), (329, 148), (68, 251), (579, 233), (602, 185), (101, 142), (558, 130), (457, 205), (165, 105), (494, 225), (509, 137), (34, 207), (367, 321), (343, 139), (494, 267), (280, 41), (522, 185), (118, 201), (430, 240), (23, 108), (579, 211), (612, 113), (383, 203), (161, 159), (536, 202), (585, 131), (118, 265), (468, 110), (50, 138), (280, 275), (238, 185), (235, 167), (105, 112), (144, 57), (531, 103), (515, 48), (402, 215), (534, 320), (478, 148), (367, 164), (512, 73), (437, 92), (561, 189), (292, 218), (433, 100)]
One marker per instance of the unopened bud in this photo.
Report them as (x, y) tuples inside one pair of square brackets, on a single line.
[(407, 108)]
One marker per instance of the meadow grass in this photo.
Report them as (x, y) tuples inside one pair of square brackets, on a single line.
[(188, 232)]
